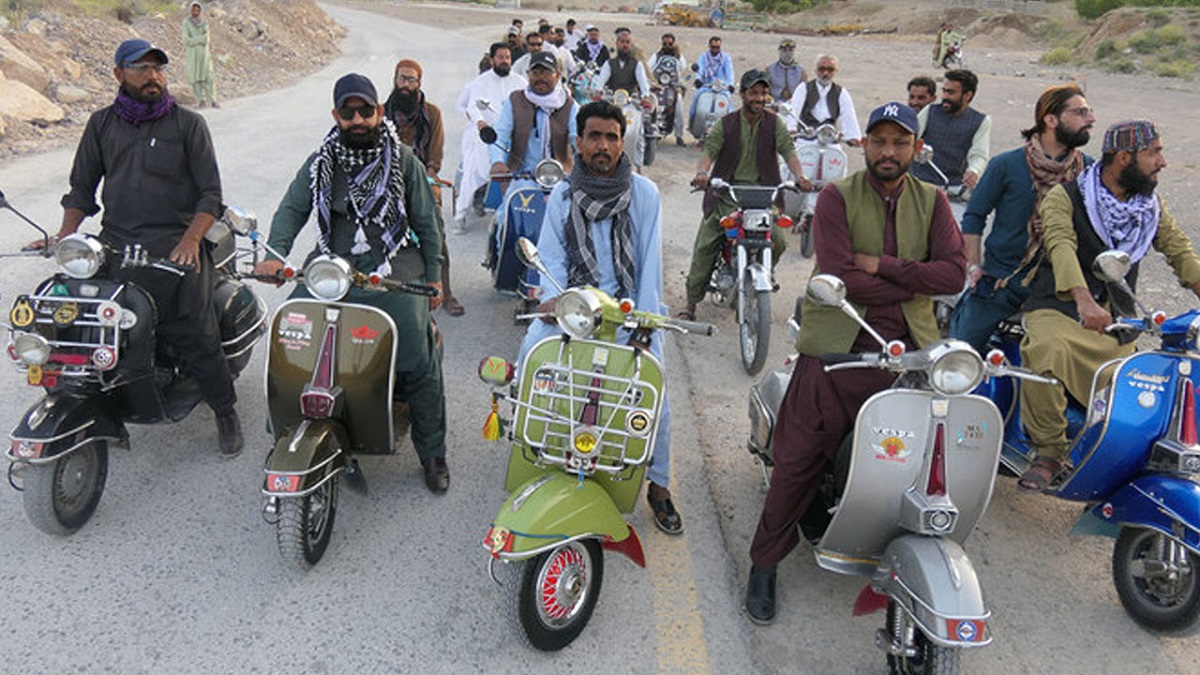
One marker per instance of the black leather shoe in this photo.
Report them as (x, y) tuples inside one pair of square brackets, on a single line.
[(437, 475), (229, 435), (760, 596)]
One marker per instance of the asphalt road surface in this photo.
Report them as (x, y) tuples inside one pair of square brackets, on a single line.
[(177, 572)]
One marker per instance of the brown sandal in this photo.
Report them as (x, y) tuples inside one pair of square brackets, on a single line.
[(453, 306), (1039, 475)]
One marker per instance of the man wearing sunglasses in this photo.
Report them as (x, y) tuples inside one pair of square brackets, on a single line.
[(823, 101), (668, 64), (375, 209)]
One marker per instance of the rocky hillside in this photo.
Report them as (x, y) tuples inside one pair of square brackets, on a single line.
[(56, 60)]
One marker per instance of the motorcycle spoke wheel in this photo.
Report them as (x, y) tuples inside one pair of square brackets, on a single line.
[(754, 331), (1155, 577), (921, 656), (553, 596), (60, 496), (305, 525)]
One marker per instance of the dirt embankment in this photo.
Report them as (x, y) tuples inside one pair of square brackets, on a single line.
[(56, 62)]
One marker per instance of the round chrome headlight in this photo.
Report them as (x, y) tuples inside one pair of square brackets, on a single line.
[(578, 313), (827, 134), (664, 78), (31, 349), (241, 220), (79, 256), (548, 173), (328, 277), (620, 98), (956, 369)]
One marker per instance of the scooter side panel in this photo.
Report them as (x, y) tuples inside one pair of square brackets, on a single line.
[(893, 443), (1138, 412), (525, 208), (1169, 504), (364, 368), (935, 582), (557, 507)]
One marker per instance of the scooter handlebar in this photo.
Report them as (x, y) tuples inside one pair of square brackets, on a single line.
[(692, 327)]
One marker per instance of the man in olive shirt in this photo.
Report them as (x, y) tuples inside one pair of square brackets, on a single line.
[(375, 209), (161, 190), (740, 150)]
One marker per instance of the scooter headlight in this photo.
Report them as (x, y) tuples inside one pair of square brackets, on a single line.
[(620, 98), (79, 256), (328, 277), (827, 134), (578, 313), (548, 173), (31, 349), (664, 78), (956, 369)]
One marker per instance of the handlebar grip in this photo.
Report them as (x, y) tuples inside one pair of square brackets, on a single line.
[(841, 357), (696, 327), (415, 289)]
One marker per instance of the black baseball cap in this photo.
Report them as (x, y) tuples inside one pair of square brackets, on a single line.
[(132, 50), (354, 85), (754, 76), (543, 60)]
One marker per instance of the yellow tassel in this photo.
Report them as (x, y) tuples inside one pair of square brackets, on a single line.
[(491, 426)]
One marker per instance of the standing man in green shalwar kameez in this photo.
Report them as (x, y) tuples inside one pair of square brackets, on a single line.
[(199, 60)]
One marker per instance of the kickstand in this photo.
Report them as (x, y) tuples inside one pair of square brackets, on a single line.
[(354, 477)]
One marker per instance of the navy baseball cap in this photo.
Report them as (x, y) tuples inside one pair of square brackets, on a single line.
[(132, 50), (543, 60), (897, 113), (354, 85)]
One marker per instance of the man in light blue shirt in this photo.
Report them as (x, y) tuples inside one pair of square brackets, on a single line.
[(625, 238), (712, 65)]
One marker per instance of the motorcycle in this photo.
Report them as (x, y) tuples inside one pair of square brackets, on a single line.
[(88, 340), (583, 83), (713, 101), (524, 208), (667, 88), (638, 140), (742, 277), (1134, 459), (909, 485), (823, 158), (953, 58), (585, 411)]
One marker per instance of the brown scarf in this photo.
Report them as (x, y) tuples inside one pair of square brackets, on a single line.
[(1045, 173)]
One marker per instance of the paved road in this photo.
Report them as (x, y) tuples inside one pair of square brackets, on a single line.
[(178, 573)]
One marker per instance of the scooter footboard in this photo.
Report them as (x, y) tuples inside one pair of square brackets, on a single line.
[(55, 426), (933, 580), (304, 459), (1169, 504), (555, 508)]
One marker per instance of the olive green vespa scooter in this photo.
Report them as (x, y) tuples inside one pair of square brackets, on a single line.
[(330, 371), (585, 411)]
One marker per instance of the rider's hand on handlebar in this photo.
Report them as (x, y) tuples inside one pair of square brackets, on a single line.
[(700, 182), (546, 309), (498, 169), (39, 244), (1093, 316), (270, 268), (186, 253), (435, 301)]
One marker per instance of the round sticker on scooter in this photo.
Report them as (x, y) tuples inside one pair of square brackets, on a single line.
[(637, 423)]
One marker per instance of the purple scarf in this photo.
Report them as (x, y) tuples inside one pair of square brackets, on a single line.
[(137, 113)]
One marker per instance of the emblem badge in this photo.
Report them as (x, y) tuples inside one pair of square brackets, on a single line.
[(22, 313), (66, 314), (637, 423), (34, 374)]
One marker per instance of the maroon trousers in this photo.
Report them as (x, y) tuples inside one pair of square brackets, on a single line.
[(818, 411)]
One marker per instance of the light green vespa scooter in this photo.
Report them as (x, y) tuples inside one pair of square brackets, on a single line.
[(585, 412)]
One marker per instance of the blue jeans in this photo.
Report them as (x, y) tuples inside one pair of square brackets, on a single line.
[(975, 317)]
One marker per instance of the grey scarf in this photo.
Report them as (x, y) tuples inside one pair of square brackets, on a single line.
[(593, 199)]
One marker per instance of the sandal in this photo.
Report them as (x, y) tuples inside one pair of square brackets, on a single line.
[(665, 516), (1039, 475), (453, 306)]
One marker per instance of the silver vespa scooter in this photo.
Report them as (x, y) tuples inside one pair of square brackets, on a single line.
[(910, 483)]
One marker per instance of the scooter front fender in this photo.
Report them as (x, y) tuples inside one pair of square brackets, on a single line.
[(933, 580), (57, 425), (1169, 504), (555, 508), (304, 459)]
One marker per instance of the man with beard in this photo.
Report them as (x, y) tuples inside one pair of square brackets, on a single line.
[(419, 124), (1009, 191), (625, 71), (711, 66), (375, 209), (1112, 205), (786, 74), (491, 88), (162, 191), (893, 240), (669, 60), (534, 43), (960, 136), (823, 101), (199, 59), (740, 149), (592, 49), (603, 228)]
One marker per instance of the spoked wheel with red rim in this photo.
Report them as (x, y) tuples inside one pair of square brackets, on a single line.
[(553, 595)]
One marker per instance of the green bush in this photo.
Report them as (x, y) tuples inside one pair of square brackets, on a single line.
[(1145, 42), (1176, 68), (1057, 56), (1171, 34), (1106, 48), (1092, 9), (1121, 66), (1157, 17)]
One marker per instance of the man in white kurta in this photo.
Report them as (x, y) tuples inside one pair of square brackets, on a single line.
[(493, 87)]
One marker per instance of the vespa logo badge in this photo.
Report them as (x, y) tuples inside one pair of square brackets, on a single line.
[(526, 198), (892, 449)]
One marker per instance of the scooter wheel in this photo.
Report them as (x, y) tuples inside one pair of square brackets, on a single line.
[(552, 596), (806, 239), (305, 525), (60, 496), (927, 658), (1156, 579)]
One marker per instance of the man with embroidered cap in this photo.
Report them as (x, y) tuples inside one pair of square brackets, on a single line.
[(1112, 205), (892, 239), (374, 208), (741, 149), (787, 75), (162, 190), (603, 227)]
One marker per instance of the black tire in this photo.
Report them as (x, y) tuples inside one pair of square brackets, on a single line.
[(60, 496), (928, 659), (806, 238), (1161, 594), (649, 151), (754, 333), (305, 525), (571, 576)]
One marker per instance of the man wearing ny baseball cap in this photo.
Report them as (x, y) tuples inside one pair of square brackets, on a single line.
[(894, 242), (1112, 205)]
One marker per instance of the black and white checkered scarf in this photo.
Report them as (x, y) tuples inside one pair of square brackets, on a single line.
[(593, 199)]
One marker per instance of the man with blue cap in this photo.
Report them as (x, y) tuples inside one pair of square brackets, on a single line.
[(894, 242), (162, 191)]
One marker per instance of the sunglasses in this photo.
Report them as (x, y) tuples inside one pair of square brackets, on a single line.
[(364, 111), (145, 68)]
